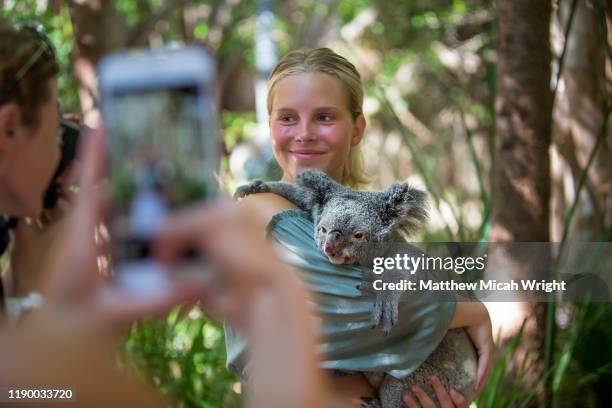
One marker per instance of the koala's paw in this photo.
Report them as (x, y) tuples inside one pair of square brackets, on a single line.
[(369, 402), (385, 312), (255, 187), (366, 286)]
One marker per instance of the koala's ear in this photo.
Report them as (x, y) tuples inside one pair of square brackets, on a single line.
[(319, 183), (405, 207)]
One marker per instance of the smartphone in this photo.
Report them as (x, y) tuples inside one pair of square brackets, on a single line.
[(160, 115)]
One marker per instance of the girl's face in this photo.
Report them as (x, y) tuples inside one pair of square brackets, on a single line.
[(28, 157), (311, 125)]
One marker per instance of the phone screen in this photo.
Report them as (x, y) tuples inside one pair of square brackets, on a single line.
[(159, 161)]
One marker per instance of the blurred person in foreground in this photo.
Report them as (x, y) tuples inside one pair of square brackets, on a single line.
[(69, 342)]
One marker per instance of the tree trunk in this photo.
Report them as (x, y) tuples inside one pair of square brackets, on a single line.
[(99, 30), (579, 115), (521, 176)]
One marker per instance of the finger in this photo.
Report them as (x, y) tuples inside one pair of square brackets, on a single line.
[(192, 227), (91, 156), (70, 178), (441, 394), (89, 201), (73, 271), (119, 308), (182, 230), (458, 399), (424, 399), (485, 362), (241, 261), (24, 230), (409, 402), (218, 230)]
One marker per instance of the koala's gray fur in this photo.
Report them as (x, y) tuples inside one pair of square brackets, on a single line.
[(354, 227)]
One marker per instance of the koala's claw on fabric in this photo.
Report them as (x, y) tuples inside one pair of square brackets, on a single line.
[(385, 313), (255, 187)]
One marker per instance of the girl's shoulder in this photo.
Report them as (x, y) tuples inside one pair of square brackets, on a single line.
[(263, 206)]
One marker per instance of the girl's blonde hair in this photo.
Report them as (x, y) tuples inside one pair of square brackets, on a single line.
[(326, 61)]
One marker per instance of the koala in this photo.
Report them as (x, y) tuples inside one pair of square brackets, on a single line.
[(354, 227)]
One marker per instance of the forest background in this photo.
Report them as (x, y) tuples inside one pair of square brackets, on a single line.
[(499, 109)]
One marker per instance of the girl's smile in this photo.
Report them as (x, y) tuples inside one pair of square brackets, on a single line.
[(306, 154)]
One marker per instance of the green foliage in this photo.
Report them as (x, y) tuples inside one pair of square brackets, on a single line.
[(132, 10), (122, 188), (183, 356), (237, 127), (579, 375)]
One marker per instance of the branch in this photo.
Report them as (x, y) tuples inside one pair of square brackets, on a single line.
[(316, 26), (138, 34), (220, 21)]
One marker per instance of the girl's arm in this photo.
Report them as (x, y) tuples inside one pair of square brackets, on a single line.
[(262, 207)]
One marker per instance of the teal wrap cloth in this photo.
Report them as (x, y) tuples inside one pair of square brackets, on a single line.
[(349, 341)]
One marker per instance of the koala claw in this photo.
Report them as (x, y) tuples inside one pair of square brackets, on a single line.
[(385, 313), (255, 187), (366, 287)]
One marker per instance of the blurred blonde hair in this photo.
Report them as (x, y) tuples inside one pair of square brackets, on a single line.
[(326, 61)]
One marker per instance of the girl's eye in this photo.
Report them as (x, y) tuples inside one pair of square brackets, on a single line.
[(325, 117), (286, 119), (358, 235)]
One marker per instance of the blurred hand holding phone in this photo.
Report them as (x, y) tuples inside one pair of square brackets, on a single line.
[(160, 115)]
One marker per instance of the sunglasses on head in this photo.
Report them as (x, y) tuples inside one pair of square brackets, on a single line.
[(45, 47)]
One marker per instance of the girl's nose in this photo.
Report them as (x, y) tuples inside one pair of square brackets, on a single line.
[(305, 132)]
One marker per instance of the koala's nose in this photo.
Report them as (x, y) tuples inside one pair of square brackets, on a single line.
[(333, 237)]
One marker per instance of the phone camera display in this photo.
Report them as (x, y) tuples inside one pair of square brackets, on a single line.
[(158, 161)]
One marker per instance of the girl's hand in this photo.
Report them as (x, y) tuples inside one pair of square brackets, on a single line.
[(241, 263), (481, 334), (450, 399), (75, 292), (474, 317)]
